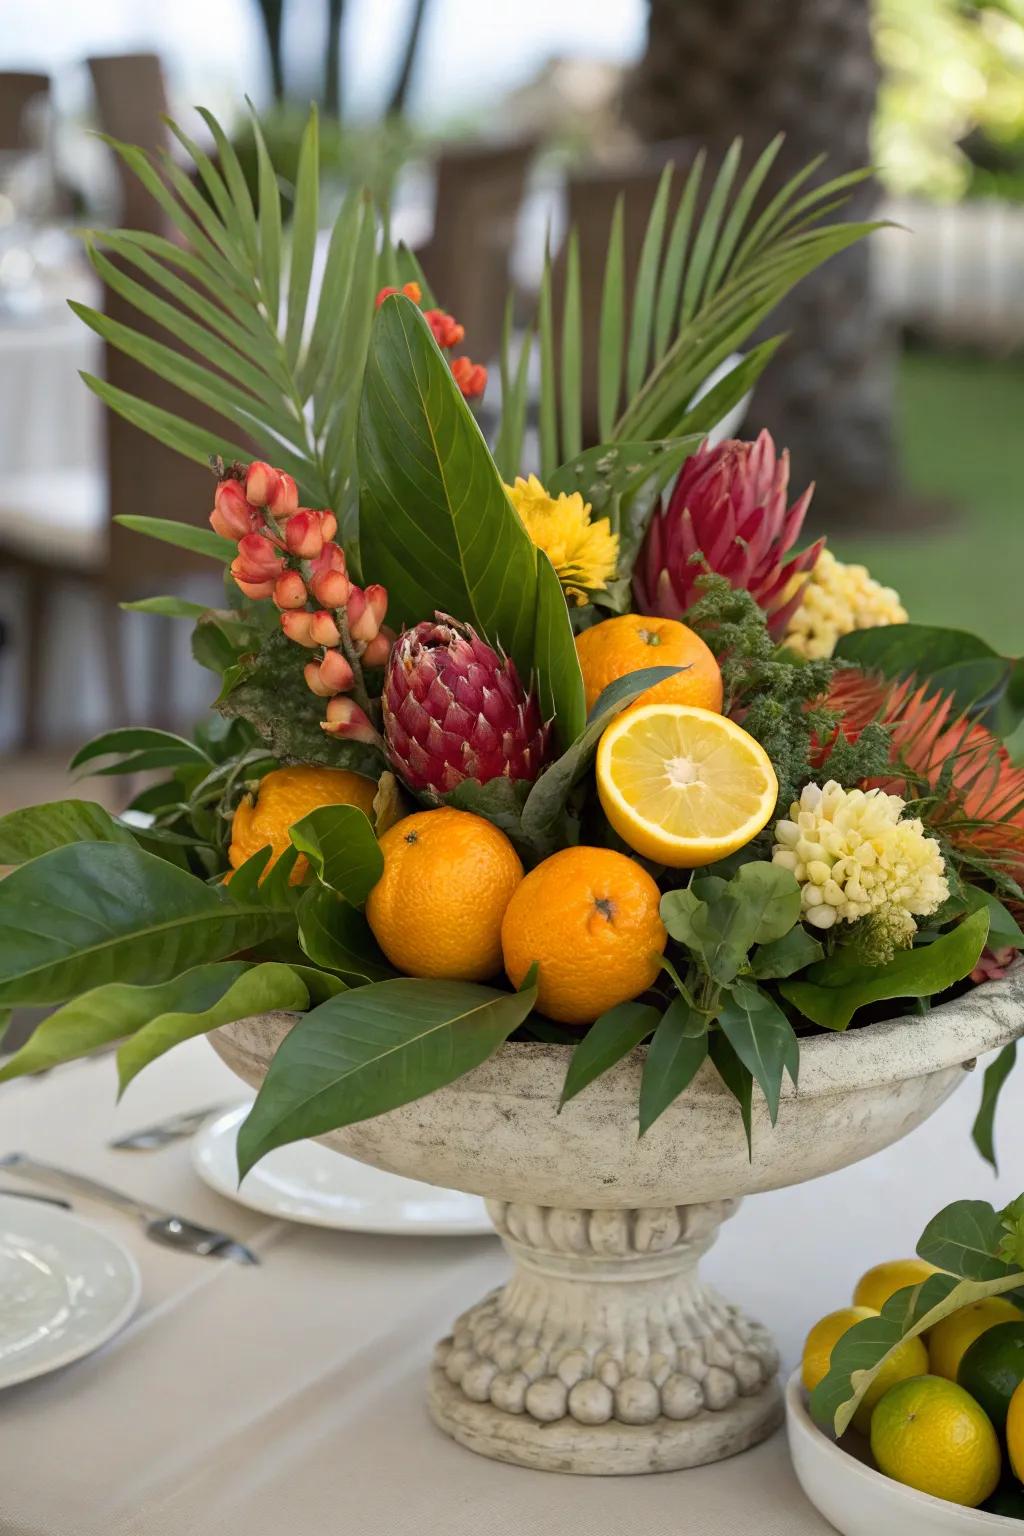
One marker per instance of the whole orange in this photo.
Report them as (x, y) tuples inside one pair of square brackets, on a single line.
[(437, 908), (589, 918), (610, 650), (283, 797)]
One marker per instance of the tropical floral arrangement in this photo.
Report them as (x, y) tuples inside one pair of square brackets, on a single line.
[(585, 745)]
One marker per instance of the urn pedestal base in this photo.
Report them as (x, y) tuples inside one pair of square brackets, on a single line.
[(604, 1353)]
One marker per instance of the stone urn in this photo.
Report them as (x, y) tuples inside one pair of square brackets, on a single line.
[(605, 1352)]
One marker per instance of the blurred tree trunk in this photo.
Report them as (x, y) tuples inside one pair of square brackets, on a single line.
[(714, 69), (403, 79), (332, 59), (272, 17)]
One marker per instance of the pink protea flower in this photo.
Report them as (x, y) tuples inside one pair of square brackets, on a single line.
[(454, 709), (729, 508)]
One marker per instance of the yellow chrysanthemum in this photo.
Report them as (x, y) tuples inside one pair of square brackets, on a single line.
[(584, 553), (836, 600), (856, 857)]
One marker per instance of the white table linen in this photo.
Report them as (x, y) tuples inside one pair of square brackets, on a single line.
[(290, 1398)]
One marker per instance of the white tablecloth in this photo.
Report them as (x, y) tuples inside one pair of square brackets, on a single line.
[(287, 1400)]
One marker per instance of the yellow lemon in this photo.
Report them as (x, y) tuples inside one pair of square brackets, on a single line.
[(884, 1280), (684, 786), (931, 1434), (950, 1340), (910, 1359), (1015, 1433)]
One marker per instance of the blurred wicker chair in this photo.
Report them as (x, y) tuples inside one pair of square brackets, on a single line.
[(60, 525), (480, 190), (21, 93)]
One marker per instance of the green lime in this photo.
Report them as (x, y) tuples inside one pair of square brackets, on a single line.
[(993, 1368), (1006, 1501)]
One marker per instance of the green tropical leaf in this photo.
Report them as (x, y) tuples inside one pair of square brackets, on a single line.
[(170, 607), (436, 525), (305, 222), (201, 541), (645, 288), (996, 1073), (835, 988), (965, 1238), (88, 913), (674, 1057), (783, 957), (547, 409), (258, 989), (546, 803), (371, 1050), (27, 833), (341, 845), (612, 335), (131, 739), (572, 354), (337, 936), (762, 1037), (675, 259), (1004, 931), (736, 1076), (111, 1012), (608, 1039), (508, 448)]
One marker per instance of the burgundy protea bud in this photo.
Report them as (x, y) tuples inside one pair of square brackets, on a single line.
[(290, 590), (232, 515), (345, 718), (454, 709), (727, 514)]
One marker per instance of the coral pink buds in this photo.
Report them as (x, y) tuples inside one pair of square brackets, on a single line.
[(285, 498), (262, 482), (231, 516), (411, 291), (344, 718), (328, 579), (379, 648), (335, 673), (304, 534), (447, 330), (290, 590), (366, 610), (257, 566), (323, 630), (469, 376), (296, 624)]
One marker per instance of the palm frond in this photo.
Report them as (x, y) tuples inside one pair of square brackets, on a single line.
[(280, 368), (703, 287)]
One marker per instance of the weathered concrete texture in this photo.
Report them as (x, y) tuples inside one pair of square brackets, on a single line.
[(605, 1353)]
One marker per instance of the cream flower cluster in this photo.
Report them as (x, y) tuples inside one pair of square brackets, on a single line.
[(855, 856), (836, 600)]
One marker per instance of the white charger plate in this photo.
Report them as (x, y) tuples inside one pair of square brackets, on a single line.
[(310, 1183), (65, 1288)]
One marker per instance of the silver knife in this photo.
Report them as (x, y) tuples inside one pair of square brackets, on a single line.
[(174, 1128), (159, 1225)]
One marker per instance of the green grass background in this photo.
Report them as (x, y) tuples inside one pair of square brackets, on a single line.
[(961, 433)]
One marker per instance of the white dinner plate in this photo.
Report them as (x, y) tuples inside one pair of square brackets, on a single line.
[(308, 1182), (65, 1288)]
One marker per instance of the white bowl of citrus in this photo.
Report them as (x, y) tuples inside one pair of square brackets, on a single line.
[(937, 1442)]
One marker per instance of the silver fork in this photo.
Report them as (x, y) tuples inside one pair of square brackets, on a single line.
[(161, 1226), (151, 1137)]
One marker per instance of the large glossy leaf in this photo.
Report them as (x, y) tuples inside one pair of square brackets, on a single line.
[(371, 1050), (335, 935), (835, 988), (341, 845), (674, 1058), (762, 1038), (27, 833), (258, 989), (996, 1073), (608, 1039), (116, 1010), (546, 803), (952, 660), (90, 913), (436, 526), (132, 739), (964, 1238)]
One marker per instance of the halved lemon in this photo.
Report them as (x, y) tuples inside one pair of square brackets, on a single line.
[(684, 786)]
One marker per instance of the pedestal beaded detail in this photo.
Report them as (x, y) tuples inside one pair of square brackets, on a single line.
[(604, 1352)]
